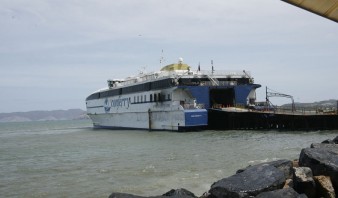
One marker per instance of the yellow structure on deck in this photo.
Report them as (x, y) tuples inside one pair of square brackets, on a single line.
[(174, 67), (179, 66)]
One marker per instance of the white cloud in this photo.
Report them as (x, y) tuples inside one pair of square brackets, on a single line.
[(67, 22)]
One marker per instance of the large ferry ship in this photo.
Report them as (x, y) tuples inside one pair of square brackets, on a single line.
[(176, 98)]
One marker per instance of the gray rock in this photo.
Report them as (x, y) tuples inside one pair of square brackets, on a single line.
[(303, 174), (179, 193), (328, 141), (206, 195), (331, 147), (303, 181), (281, 193), (322, 161), (242, 169), (252, 181), (335, 140), (283, 165), (124, 195)]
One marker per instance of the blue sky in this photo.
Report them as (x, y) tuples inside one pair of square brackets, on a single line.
[(53, 54)]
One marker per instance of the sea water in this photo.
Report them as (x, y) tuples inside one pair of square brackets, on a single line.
[(71, 159)]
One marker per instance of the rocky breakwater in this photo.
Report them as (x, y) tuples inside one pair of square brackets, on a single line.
[(315, 174)]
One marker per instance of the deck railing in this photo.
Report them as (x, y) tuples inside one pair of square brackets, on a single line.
[(193, 106)]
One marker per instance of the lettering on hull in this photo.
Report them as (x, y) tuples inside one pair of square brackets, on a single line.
[(116, 103)]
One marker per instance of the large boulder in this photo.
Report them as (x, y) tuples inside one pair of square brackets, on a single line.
[(252, 181), (324, 187), (303, 181), (335, 140), (329, 141), (178, 193), (283, 165), (124, 195), (330, 147), (322, 161), (281, 193)]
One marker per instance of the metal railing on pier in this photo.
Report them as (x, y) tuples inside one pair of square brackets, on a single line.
[(299, 110)]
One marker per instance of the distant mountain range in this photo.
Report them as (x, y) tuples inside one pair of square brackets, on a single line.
[(79, 114), (321, 104), (71, 114)]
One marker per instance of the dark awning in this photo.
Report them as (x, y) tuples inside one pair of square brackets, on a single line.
[(324, 8)]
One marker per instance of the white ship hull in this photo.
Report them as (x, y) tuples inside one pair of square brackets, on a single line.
[(129, 113), (172, 121)]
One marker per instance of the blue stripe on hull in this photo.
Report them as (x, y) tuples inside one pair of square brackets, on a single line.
[(196, 117)]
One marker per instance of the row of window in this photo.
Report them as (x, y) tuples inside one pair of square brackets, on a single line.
[(206, 81), (156, 97), (161, 84)]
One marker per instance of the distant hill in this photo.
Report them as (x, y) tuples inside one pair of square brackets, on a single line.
[(71, 114), (331, 104)]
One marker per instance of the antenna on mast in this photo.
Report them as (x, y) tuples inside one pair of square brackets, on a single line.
[(212, 67), (162, 60)]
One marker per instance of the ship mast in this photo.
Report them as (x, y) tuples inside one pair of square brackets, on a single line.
[(162, 60)]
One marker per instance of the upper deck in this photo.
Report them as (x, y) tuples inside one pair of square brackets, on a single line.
[(181, 71), (179, 74)]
